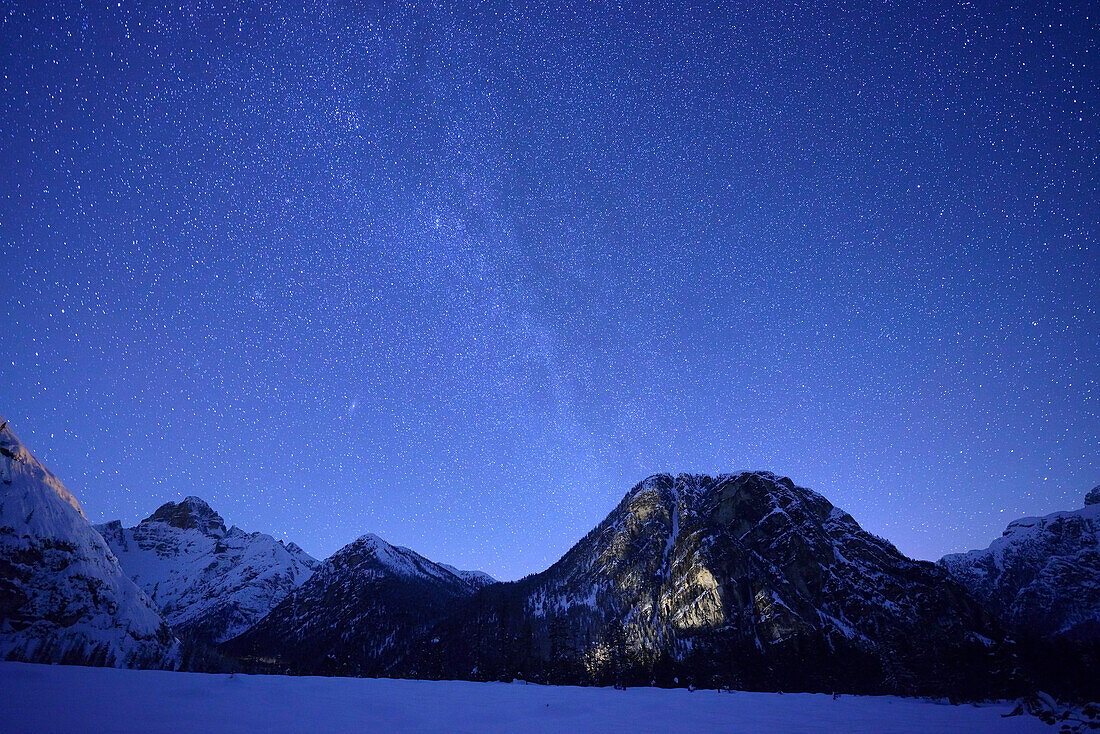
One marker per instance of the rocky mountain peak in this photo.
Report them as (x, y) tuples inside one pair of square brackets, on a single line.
[(738, 579), (16, 460), (209, 583), (190, 513), (739, 501), (365, 548), (373, 556), (357, 611), (705, 486), (369, 541)]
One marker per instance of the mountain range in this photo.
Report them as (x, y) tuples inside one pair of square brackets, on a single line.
[(743, 580)]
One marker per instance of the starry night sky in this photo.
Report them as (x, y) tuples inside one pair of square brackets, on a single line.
[(464, 278)]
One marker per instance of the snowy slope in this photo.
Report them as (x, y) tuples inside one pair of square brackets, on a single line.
[(148, 702), (1042, 576), (474, 578), (209, 582), (360, 606), (63, 596)]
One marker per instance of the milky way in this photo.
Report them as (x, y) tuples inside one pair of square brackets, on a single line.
[(463, 277)]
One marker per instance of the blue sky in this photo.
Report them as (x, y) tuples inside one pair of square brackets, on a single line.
[(463, 277)]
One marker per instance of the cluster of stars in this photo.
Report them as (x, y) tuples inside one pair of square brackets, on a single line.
[(462, 276)]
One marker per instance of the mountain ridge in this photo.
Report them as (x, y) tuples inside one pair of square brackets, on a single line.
[(354, 613), (1042, 576), (733, 580)]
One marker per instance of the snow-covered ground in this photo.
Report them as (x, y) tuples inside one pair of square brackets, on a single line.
[(44, 699)]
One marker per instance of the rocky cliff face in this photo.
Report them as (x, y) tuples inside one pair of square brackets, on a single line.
[(63, 596), (744, 580), (1042, 576), (210, 583), (360, 608)]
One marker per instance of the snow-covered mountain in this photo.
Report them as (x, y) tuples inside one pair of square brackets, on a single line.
[(63, 596), (1042, 576), (477, 579), (210, 583), (359, 608), (744, 580)]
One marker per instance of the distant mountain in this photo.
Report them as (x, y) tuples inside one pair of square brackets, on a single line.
[(477, 579), (210, 583), (1042, 576), (361, 607), (63, 596), (743, 580)]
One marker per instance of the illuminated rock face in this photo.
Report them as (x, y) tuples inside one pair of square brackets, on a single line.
[(742, 580)]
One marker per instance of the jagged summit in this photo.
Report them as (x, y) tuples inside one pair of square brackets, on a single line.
[(192, 513), (720, 476), (706, 481), (210, 583), (691, 491)]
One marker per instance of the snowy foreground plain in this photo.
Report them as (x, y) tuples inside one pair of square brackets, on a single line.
[(44, 699)]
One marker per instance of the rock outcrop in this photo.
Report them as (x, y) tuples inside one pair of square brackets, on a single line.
[(63, 596)]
